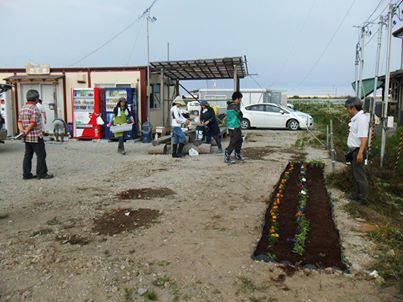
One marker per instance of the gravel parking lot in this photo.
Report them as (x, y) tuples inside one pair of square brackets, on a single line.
[(185, 232)]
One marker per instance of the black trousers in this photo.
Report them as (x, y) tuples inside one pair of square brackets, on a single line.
[(235, 142), (39, 149), (360, 178)]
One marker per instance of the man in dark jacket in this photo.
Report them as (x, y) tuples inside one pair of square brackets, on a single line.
[(234, 118), (210, 123)]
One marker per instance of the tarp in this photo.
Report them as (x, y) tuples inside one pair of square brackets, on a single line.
[(368, 86)]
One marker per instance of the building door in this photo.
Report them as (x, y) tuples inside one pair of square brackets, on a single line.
[(48, 95)]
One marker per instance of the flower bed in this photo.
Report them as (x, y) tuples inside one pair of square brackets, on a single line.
[(299, 227)]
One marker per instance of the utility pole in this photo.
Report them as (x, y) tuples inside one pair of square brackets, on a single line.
[(362, 46), (357, 63), (373, 105), (168, 51), (148, 66), (387, 82)]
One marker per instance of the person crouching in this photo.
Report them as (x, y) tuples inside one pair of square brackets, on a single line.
[(209, 121), (178, 137)]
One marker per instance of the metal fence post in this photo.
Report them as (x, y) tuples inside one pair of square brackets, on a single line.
[(332, 151), (327, 137)]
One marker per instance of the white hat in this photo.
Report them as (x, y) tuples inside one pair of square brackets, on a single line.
[(178, 100)]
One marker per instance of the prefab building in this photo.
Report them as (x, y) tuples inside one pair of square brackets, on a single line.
[(55, 86), (219, 97)]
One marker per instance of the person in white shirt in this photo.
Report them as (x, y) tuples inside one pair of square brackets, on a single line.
[(356, 143), (178, 137), (42, 110)]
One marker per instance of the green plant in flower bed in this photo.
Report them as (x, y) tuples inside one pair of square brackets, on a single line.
[(300, 238), (317, 164), (303, 222)]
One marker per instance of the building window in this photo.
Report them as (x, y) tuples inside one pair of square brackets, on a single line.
[(155, 97)]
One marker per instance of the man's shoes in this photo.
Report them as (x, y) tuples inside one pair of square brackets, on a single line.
[(220, 151), (46, 176), (175, 151), (227, 158), (239, 157), (28, 177), (180, 150)]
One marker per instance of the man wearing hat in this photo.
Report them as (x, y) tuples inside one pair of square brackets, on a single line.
[(178, 137), (357, 142)]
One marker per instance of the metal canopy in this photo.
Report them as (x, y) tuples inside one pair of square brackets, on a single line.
[(207, 69)]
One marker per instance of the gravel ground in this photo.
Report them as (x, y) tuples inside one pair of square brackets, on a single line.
[(195, 247)]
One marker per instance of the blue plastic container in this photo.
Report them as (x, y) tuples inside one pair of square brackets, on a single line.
[(146, 132)]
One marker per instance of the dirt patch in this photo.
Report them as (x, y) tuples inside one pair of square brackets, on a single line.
[(124, 220), (73, 239), (145, 193), (323, 248), (258, 153)]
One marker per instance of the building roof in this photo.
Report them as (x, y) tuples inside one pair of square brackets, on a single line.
[(34, 78), (204, 69), (78, 69), (5, 87), (398, 33)]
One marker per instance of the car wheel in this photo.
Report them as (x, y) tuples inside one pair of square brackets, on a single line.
[(245, 124), (293, 125)]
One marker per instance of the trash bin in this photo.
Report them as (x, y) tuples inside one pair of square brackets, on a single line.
[(146, 132)]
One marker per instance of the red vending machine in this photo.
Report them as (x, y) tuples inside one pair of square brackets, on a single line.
[(87, 120)]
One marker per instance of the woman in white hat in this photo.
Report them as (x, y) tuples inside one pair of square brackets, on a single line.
[(178, 137)]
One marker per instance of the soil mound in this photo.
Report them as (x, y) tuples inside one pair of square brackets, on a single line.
[(145, 193), (124, 220)]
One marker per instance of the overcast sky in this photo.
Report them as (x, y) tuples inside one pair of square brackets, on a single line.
[(281, 39)]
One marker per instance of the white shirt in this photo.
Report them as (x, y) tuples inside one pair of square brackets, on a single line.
[(41, 107), (359, 127), (177, 117)]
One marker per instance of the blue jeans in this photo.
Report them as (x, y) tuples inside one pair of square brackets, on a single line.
[(178, 136)]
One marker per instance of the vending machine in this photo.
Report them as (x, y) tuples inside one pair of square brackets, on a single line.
[(110, 97), (6, 108), (87, 120)]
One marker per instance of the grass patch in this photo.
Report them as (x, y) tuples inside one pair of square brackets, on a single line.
[(247, 285), (161, 281), (385, 202), (42, 232), (128, 295), (151, 296)]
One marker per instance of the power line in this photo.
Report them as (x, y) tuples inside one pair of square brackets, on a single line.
[(292, 48), (373, 35), (134, 45), (328, 44), (376, 8), (115, 35), (257, 83)]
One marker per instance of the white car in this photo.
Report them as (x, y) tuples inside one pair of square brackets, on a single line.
[(268, 115)]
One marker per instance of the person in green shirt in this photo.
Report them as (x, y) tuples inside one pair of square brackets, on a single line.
[(122, 115), (234, 117)]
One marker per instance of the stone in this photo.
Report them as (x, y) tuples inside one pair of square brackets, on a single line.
[(142, 291)]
